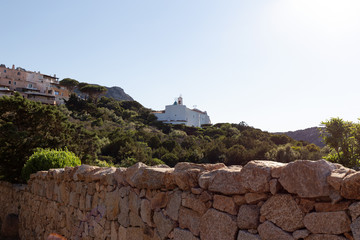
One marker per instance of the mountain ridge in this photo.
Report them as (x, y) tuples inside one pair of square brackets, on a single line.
[(311, 135)]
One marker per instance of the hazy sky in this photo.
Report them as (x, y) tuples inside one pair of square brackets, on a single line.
[(278, 65)]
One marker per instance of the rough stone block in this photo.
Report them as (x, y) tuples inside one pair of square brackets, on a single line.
[(327, 222), (248, 217), (284, 212), (216, 225), (308, 179), (225, 204)]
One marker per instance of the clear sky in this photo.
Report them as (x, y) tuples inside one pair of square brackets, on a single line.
[(278, 65)]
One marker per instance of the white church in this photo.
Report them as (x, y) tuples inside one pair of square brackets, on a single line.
[(178, 113)]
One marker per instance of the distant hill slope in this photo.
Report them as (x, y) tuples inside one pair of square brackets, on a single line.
[(311, 135), (118, 93)]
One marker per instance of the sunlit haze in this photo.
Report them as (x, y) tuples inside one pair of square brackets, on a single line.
[(277, 65)]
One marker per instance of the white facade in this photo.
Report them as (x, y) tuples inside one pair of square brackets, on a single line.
[(180, 114)]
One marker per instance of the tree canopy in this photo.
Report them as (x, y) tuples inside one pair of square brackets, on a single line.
[(93, 91), (69, 83), (343, 137), (24, 126)]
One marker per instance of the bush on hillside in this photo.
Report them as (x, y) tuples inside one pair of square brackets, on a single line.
[(45, 159), (25, 126)]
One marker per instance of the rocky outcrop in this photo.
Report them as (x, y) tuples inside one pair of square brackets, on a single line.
[(261, 200), (118, 93)]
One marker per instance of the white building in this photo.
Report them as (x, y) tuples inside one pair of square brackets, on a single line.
[(180, 114)]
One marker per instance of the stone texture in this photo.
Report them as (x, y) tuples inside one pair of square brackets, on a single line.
[(135, 220), (131, 233), (225, 204), (329, 207), (173, 206), (104, 175), (354, 210), (181, 234), (189, 219), (327, 222), (244, 235), (186, 174), (196, 190), (348, 236), (308, 179), (98, 203), (131, 171), (146, 212), (192, 201), (184, 166), (112, 205), (159, 200), (253, 198), (256, 175), (226, 181), (239, 199), (82, 171), (123, 217), (337, 175), (248, 217), (284, 212), (186, 180), (350, 186), (275, 186), (268, 231), (276, 171), (301, 234), (142, 176), (306, 205), (134, 202), (205, 196), (164, 224), (119, 176), (335, 196), (216, 225), (355, 228), (114, 233), (324, 237)]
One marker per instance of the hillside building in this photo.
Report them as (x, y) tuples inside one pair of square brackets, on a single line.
[(178, 113), (32, 85)]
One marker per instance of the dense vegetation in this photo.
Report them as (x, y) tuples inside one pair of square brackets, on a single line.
[(108, 132), (343, 137), (45, 159)]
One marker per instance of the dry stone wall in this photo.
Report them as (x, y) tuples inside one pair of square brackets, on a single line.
[(310, 200)]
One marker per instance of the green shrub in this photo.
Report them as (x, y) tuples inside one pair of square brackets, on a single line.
[(154, 162), (45, 159), (101, 163)]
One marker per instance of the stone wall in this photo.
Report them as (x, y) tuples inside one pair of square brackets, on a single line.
[(263, 200)]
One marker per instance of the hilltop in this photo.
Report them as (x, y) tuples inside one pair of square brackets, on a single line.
[(118, 93), (311, 135), (115, 92)]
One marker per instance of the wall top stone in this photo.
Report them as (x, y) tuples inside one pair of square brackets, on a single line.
[(307, 179), (261, 200)]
